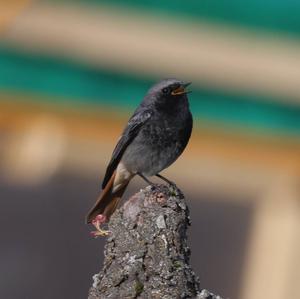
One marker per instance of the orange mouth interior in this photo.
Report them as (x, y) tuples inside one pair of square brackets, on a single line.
[(179, 90)]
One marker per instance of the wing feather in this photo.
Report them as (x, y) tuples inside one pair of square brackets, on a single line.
[(139, 118)]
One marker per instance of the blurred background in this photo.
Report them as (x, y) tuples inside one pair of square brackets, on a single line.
[(71, 73)]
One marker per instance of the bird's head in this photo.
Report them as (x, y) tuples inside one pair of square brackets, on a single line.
[(168, 91)]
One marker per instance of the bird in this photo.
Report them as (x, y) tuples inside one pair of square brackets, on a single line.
[(155, 136)]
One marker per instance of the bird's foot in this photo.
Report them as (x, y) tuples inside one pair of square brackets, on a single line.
[(172, 185), (153, 187), (99, 219)]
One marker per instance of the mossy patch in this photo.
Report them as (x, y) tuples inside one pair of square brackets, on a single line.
[(139, 287), (177, 264)]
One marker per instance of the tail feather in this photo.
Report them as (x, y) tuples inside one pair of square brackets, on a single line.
[(107, 201)]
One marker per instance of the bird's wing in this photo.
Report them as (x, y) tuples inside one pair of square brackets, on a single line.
[(139, 118)]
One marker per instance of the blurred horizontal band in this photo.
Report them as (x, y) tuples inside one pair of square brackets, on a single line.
[(60, 81), (122, 40), (270, 16)]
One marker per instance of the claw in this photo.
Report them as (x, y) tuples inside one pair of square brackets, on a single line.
[(100, 233), (99, 219), (153, 187)]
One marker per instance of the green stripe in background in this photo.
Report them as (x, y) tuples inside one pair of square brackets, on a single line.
[(66, 81), (268, 15)]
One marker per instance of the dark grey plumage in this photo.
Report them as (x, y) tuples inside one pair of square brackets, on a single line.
[(155, 136)]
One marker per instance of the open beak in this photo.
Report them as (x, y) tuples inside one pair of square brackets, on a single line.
[(181, 89)]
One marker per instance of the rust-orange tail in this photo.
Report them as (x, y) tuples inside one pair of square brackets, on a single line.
[(107, 201)]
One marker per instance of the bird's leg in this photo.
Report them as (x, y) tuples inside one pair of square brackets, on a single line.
[(146, 180), (99, 219), (166, 180)]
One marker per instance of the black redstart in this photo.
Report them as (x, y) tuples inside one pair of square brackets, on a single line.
[(155, 136)]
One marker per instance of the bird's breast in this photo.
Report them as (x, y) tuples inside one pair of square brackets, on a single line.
[(158, 144)]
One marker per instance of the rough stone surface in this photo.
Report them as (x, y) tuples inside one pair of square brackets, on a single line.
[(146, 255)]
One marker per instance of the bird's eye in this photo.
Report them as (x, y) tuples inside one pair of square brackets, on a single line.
[(165, 90)]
